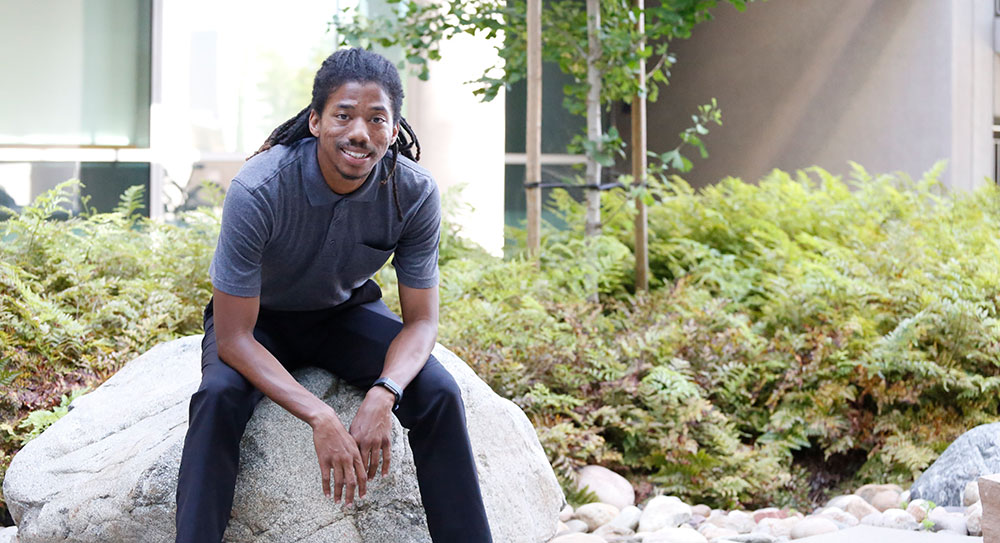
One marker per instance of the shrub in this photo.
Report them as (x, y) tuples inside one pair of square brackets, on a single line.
[(80, 297), (805, 317)]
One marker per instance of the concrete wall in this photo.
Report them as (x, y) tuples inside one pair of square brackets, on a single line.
[(892, 84)]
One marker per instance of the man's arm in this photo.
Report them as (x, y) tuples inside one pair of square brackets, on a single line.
[(235, 318), (407, 355)]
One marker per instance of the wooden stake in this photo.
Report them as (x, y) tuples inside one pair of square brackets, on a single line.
[(533, 136), (639, 166)]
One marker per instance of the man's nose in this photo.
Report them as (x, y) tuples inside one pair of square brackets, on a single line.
[(357, 131)]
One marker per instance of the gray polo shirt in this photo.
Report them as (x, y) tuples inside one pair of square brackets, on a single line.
[(288, 238)]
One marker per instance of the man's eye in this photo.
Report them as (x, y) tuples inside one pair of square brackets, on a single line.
[(378, 120), (340, 116)]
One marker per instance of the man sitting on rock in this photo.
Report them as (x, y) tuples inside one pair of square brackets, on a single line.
[(306, 223)]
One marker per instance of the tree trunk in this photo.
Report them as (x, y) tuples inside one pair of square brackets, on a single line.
[(639, 164), (593, 225), (533, 136)]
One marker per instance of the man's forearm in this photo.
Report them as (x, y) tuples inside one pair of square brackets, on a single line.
[(254, 362), (409, 351)]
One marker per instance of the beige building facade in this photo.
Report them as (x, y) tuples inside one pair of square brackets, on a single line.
[(894, 85)]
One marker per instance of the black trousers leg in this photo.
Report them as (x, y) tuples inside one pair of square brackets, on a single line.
[(431, 409), (218, 416)]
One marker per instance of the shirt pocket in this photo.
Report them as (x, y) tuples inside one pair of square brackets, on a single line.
[(365, 260)]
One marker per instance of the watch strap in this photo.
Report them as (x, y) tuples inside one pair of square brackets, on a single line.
[(391, 386)]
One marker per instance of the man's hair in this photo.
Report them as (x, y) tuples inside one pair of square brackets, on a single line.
[(362, 66)]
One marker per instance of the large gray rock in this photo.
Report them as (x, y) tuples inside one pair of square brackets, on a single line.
[(974, 453), (107, 471)]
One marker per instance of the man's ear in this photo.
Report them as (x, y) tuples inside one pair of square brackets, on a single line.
[(314, 122), (395, 133)]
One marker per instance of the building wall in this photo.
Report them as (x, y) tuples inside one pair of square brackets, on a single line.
[(462, 138), (894, 85)]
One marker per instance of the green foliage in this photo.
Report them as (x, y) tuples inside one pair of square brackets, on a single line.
[(419, 28), (803, 313), (38, 420), (80, 296)]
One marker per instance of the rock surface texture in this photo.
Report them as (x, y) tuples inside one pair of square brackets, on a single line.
[(107, 471), (973, 454)]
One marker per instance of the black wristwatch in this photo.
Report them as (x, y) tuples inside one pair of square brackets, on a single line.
[(391, 386)]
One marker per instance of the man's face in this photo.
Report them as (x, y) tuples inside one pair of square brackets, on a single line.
[(354, 131)]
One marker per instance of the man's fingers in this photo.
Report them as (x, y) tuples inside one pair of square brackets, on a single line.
[(373, 463), (338, 482), (350, 484), (324, 470), (359, 470), (386, 453)]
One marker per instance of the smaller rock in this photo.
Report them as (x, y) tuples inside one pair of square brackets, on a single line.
[(905, 496), (566, 513), (947, 522), (781, 528), (872, 519), (8, 534), (974, 519), (662, 512), (989, 497), (752, 538), (607, 485), (867, 492), (577, 538), (919, 509), (609, 530), (885, 499), (768, 512), (838, 515), (596, 514), (695, 521), (971, 493), (741, 521), (701, 509), (561, 528), (841, 501), (812, 525), (675, 535), (859, 508), (713, 532), (576, 526), (898, 519), (628, 518)]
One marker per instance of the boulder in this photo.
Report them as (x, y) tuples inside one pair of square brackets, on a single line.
[(107, 471), (8, 534), (973, 454), (608, 486)]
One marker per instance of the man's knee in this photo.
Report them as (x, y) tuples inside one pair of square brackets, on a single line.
[(436, 386), (226, 389)]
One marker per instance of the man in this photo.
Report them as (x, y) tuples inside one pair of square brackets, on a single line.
[(306, 223)]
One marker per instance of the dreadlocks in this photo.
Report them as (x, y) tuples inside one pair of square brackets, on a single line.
[(361, 66)]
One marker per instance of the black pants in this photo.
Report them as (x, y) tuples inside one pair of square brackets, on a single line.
[(350, 341)]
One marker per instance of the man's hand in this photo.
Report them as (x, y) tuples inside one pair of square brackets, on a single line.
[(372, 427), (336, 450)]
